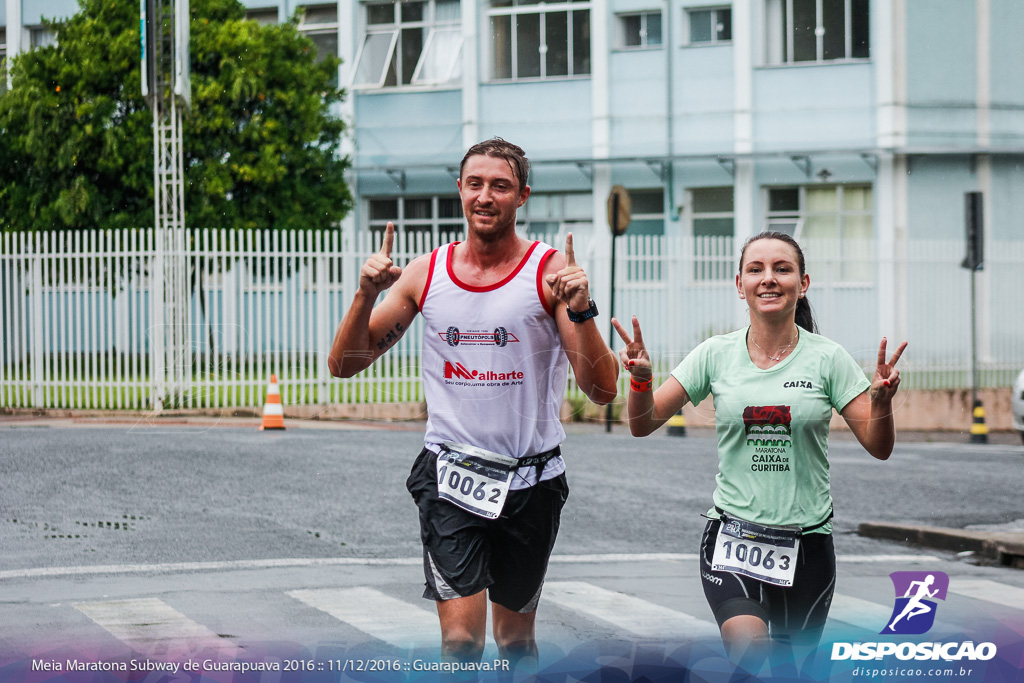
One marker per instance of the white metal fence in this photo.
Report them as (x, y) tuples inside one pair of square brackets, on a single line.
[(77, 311)]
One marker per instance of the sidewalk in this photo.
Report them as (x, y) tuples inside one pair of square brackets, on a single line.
[(1002, 544), (248, 417)]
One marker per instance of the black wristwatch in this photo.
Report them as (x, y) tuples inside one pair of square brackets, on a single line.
[(582, 316)]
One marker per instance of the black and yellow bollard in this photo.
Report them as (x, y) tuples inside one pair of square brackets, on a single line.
[(677, 425), (979, 431)]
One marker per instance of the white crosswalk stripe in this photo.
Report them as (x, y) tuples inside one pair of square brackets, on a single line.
[(153, 628), (394, 621), (638, 617), (860, 613), (989, 591)]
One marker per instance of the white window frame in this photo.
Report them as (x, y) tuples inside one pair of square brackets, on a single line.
[(441, 52), (519, 8), (447, 73), (644, 44), (715, 22), (780, 43), (311, 28), (794, 222)]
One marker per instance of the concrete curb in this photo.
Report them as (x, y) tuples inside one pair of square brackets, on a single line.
[(1005, 548)]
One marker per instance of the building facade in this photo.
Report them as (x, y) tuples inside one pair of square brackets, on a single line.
[(859, 123)]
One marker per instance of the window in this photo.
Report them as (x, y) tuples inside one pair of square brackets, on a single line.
[(712, 211), (410, 43), (3, 60), (41, 36), (435, 220), (839, 217), (817, 30), (710, 26), (647, 209), (264, 16), (550, 216), (646, 226), (538, 40), (639, 31), (713, 224), (319, 23)]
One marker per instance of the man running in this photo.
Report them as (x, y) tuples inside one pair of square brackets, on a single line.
[(504, 316)]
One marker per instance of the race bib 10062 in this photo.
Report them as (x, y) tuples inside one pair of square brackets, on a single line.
[(474, 479), (765, 553)]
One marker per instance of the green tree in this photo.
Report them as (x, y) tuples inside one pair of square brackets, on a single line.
[(260, 145)]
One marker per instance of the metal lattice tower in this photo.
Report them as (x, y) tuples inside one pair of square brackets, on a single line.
[(166, 84)]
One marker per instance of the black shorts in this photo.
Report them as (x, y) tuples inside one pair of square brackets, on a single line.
[(464, 554), (794, 613)]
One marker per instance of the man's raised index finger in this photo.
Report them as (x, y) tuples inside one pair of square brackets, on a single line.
[(570, 255), (389, 241)]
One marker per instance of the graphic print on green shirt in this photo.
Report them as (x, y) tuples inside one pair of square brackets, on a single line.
[(769, 429)]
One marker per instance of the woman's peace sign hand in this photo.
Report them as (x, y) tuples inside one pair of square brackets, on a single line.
[(887, 378), (633, 355)]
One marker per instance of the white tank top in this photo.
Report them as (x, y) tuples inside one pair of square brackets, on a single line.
[(493, 367)]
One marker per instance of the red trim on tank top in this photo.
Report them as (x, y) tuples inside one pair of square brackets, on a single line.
[(430, 275), (488, 288), (540, 282)]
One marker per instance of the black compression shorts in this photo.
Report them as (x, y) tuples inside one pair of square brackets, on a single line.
[(464, 554), (794, 614)]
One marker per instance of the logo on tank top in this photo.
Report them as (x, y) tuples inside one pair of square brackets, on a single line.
[(768, 429), (457, 374), (499, 337)]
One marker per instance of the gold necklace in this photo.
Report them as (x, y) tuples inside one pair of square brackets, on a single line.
[(781, 353)]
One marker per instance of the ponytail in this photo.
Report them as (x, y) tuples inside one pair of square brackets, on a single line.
[(804, 316)]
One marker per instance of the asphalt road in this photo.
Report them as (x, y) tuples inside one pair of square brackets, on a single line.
[(144, 494), (263, 546)]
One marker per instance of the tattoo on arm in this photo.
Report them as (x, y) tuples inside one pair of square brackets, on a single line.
[(391, 337)]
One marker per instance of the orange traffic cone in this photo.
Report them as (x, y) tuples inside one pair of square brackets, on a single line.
[(273, 411)]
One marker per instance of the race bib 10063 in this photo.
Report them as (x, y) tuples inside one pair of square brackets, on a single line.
[(765, 553)]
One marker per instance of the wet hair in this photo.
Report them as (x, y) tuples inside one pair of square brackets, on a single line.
[(502, 149), (804, 315)]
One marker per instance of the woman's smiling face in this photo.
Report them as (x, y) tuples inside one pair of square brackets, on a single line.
[(769, 279)]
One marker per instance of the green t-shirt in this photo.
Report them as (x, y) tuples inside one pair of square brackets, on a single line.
[(773, 424)]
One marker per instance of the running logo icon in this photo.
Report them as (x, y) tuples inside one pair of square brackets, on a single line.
[(916, 592)]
